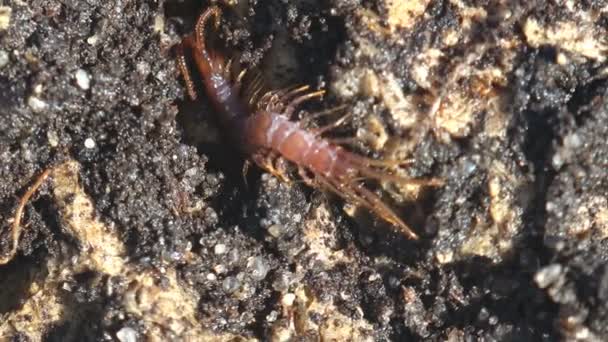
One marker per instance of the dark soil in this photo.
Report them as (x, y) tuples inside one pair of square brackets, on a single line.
[(526, 262)]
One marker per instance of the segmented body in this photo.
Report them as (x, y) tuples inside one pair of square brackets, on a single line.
[(261, 126)]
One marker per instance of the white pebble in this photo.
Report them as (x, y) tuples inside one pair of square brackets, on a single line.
[(53, 139), (259, 268), (36, 104), (3, 58), (5, 17), (220, 248), (127, 334), (548, 275), (83, 79), (231, 284), (89, 143), (288, 299), (92, 40)]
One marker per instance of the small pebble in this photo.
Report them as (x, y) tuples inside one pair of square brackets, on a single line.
[(259, 268), (92, 40), (5, 17), (36, 104), (3, 58), (276, 230), (127, 334), (548, 275), (230, 284), (220, 248), (288, 299), (272, 316), (219, 269), (52, 138), (211, 277), (89, 143), (83, 79)]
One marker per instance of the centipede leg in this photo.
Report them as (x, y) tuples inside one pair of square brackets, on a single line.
[(309, 117), (384, 176), (291, 107), (236, 88), (306, 178), (286, 95), (337, 123), (273, 165)]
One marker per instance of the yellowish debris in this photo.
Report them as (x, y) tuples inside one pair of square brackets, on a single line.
[(164, 312), (5, 17), (577, 37), (335, 326), (405, 13)]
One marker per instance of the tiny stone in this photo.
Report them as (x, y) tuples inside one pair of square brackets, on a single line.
[(259, 268), (3, 58), (66, 286), (276, 230), (230, 284), (5, 17), (288, 299), (557, 161), (548, 275), (89, 143), (219, 269), (92, 40), (211, 277), (143, 68), (220, 248), (573, 141), (36, 104), (272, 316), (159, 23), (127, 334), (83, 79), (53, 139)]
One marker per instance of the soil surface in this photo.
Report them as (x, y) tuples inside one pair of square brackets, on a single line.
[(143, 226)]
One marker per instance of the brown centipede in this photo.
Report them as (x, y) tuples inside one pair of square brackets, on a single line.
[(263, 127)]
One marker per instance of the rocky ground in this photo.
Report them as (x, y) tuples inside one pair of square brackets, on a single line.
[(143, 227)]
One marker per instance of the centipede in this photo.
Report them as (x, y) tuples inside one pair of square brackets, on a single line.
[(263, 125)]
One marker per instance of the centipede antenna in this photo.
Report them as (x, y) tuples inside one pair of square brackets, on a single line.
[(202, 22), (183, 68)]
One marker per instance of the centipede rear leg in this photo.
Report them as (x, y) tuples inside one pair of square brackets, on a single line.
[(356, 193)]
